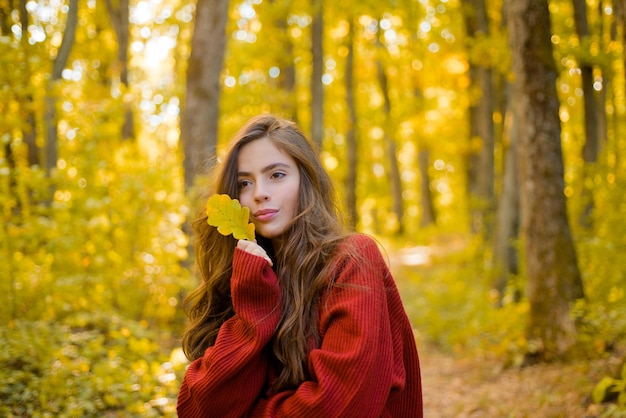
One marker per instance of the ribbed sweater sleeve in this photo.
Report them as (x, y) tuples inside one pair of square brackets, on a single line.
[(228, 379), (367, 349)]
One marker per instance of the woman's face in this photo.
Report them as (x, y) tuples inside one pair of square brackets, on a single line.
[(269, 182)]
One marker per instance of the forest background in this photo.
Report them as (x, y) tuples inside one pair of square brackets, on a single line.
[(481, 141)]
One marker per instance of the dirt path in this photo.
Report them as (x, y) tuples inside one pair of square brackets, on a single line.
[(479, 388), (463, 388), (471, 387)]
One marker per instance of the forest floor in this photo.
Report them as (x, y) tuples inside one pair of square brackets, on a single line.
[(456, 387), (466, 387)]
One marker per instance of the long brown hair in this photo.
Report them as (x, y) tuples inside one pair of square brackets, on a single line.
[(303, 262)]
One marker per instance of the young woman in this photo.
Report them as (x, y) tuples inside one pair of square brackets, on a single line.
[(307, 320)]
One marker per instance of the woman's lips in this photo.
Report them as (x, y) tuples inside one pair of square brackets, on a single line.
[(265, 215)]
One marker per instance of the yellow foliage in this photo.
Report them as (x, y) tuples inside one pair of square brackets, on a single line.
[(229, 217)]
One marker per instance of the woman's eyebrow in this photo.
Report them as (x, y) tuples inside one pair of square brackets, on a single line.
[(265, 169)]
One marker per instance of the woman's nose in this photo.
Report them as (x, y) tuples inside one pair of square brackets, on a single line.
[(260, 194)]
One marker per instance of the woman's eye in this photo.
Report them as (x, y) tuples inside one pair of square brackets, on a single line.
[(244, 183), (278, 175)]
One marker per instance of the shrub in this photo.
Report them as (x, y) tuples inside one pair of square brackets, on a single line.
[(88, 365)]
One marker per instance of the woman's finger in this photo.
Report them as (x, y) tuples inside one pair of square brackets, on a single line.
[(253, 248)]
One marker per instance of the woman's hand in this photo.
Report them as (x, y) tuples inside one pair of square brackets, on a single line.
[(253, 248)]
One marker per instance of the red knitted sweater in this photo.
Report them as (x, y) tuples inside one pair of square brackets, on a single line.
[(366, 365)]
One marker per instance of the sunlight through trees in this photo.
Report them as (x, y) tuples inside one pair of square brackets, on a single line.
[(492, 170)]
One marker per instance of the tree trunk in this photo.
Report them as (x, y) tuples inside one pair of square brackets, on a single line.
[(620, 16), (29, 134), (5, 17), (395, 179), (121, 25), (317, 88), (590, 149), (60, 62), (426, 195), (199, 122), (480, 165), (620, 7), (554, 280), (351, 142), (286, 81), (610, 88), (428, 212), (606, 82), (506, 234)]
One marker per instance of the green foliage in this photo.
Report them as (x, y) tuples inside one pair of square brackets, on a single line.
[(612, 389), (88, 365), (490, 51), (110, 238), (451, 304), (92, 271), (92, 255), (602, 316)]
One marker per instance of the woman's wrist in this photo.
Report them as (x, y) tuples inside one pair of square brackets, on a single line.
[(254, 286)]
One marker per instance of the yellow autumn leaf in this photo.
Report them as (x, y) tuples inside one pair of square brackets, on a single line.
[(229, 217)]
